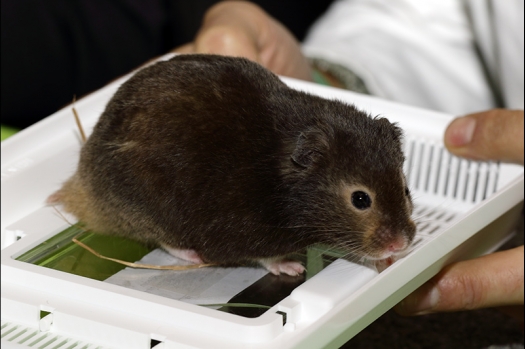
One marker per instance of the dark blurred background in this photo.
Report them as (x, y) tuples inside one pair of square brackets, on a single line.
[(55, 49)]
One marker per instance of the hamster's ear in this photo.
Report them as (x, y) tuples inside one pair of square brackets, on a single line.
[(391, 127), (309, 148)]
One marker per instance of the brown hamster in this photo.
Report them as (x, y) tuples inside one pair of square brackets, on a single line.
[(217, 160)]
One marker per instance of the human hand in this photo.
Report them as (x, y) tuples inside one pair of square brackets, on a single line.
[(238, 28), (495, 134), (494, 280)]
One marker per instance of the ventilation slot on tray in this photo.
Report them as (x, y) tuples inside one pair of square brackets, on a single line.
[(429, 220), (33, 338), (431, 169)]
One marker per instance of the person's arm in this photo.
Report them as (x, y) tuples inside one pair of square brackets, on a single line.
[(415, 52)]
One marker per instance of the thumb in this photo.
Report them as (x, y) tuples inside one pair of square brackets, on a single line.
[(491, 135), (186, 48), (489, 281), (227, 40), (232, 28)]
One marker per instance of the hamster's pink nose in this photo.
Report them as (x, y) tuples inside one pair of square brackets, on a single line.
[(391, 239), (397, 245)]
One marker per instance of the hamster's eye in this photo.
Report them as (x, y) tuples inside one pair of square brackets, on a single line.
[(361, 200), (407, 192)]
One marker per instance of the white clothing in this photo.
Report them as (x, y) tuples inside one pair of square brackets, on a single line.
[(449, 55)]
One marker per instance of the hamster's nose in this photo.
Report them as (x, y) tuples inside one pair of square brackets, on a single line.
[(391, 240), (399, 244)]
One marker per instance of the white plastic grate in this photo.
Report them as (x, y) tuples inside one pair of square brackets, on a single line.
[(432, 170), (33, 338), (429, 221)]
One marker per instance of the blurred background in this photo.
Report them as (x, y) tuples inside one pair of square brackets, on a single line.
[(53, 50)]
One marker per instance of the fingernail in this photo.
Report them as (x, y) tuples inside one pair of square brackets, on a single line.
[(428, 301), (419, 303), (460, 131)]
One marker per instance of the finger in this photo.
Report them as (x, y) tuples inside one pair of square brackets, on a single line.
[(489, 281), (187, 48), (241, 28), (231, 28), (226, 40), (492, 135)]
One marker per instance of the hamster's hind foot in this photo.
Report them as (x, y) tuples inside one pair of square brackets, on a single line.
[(280, 266)]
